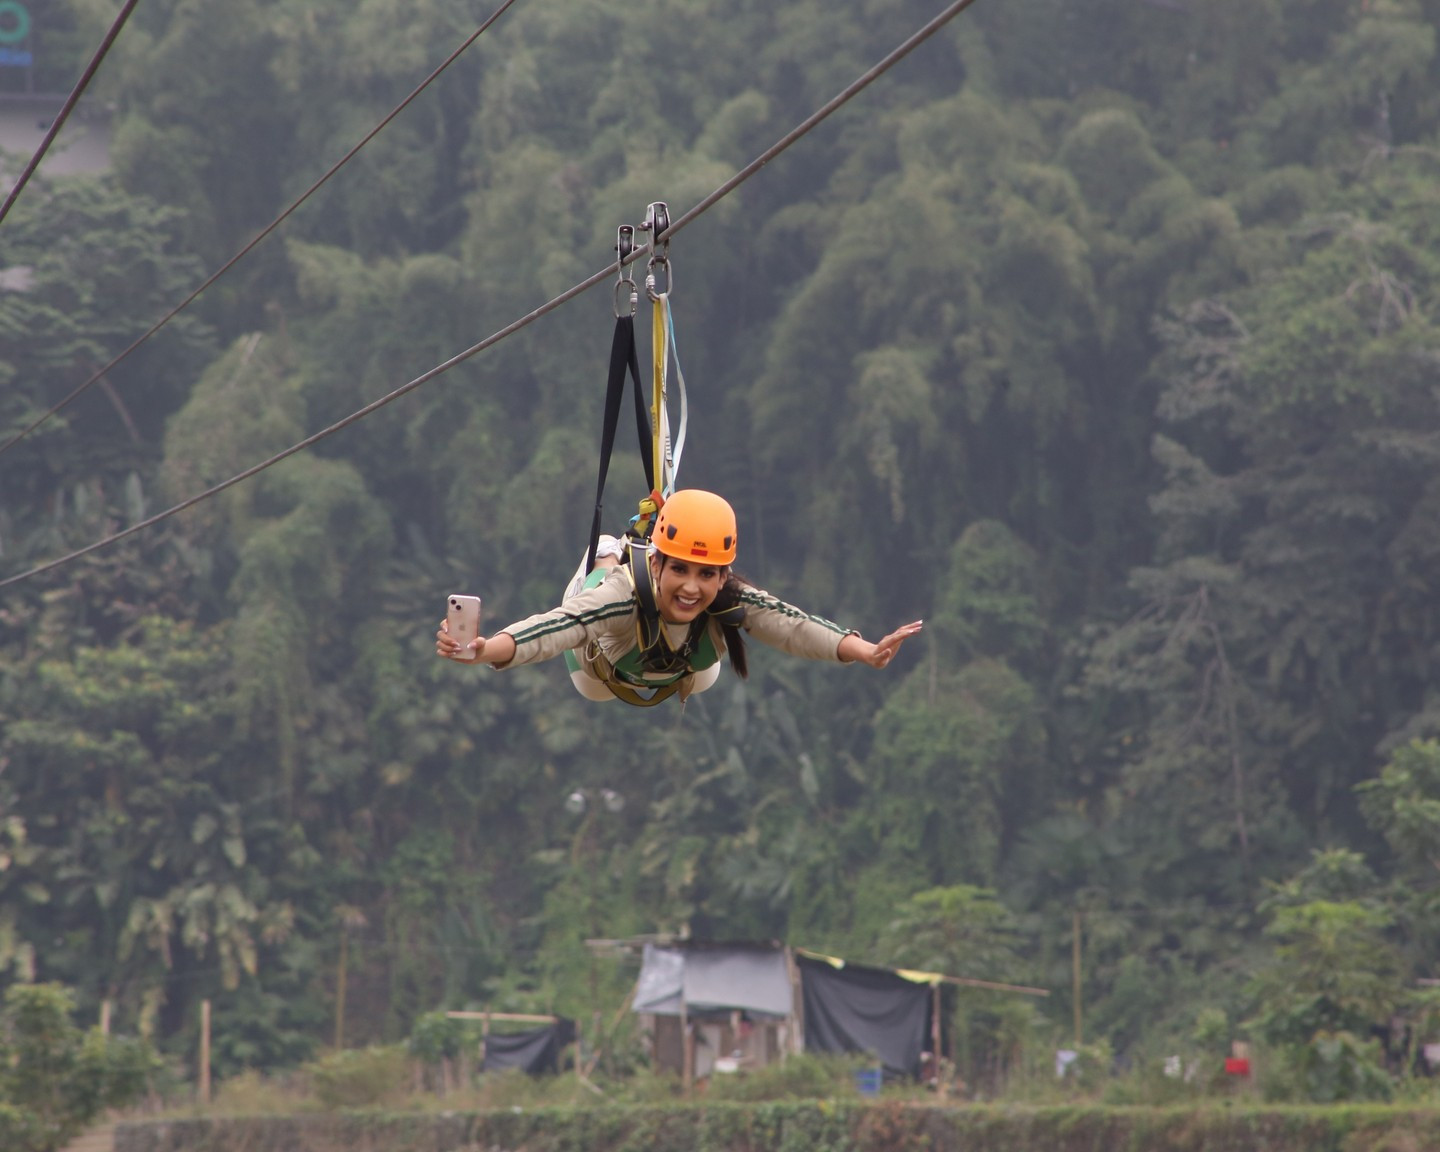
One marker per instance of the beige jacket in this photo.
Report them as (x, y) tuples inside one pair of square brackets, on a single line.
[(606, 614)]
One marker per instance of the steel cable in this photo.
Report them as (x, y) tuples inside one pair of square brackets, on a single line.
[(549, 306), (68, 107), (269, 228)]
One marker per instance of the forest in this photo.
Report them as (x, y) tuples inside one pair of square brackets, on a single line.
[(1099, 334)]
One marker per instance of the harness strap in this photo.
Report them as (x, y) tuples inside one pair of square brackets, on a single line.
[(653, 647), (656, 652), (623, 355), (628, 692), (659, 413), (647, 609), (679, 449)]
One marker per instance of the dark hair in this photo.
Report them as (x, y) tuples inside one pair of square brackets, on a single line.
[(727, 598)]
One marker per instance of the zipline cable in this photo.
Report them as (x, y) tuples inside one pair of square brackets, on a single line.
[(821, 113), (68, 107), (549, 306), (269, 228), (373, 406)]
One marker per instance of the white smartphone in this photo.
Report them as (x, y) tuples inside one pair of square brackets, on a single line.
[(462, 617)]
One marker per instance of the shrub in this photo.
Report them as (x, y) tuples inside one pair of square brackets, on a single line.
[(802, 1077), (360, 1077), (55, 1079), (1333, 1067)]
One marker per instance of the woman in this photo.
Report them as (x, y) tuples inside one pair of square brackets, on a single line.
[(642, 632)]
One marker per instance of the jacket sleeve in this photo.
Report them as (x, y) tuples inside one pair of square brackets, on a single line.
[(793, 631), (592, 614)]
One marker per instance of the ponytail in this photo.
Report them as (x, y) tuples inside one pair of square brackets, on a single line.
[(727, 608), (727, 611)]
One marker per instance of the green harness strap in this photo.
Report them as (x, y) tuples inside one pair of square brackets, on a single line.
[(653, 653)]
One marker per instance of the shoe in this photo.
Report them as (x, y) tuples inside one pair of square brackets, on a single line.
[(607, 546)]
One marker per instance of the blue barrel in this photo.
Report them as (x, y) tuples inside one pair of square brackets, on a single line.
[(869, 1080)]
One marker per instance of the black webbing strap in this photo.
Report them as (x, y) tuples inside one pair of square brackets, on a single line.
[(622, 355), (656, 653)]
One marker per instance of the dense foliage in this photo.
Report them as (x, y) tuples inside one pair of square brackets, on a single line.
[(817, 1126), (1100, 333), (56, 1079)]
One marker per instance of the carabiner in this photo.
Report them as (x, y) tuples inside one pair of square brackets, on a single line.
[(657, 223), (624, 246)]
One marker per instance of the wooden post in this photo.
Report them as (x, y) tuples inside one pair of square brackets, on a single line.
[(484, 1036), (796, 1024), (687, 1049), (1075, 977), (614, 1024), (205, 1052), (105, 1017), (340, 987), (935, 1036)]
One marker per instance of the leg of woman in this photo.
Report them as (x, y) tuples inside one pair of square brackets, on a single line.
[(699, 681), (608, 552), (589, 687)]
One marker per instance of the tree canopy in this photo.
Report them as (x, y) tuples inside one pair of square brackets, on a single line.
[(1100, 335)]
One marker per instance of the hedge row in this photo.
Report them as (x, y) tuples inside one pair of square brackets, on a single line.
[(807, 1127)]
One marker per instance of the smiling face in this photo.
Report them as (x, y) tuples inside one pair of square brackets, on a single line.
[(684, 589)]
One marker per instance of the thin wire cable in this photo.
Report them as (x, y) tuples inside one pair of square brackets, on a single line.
[(309, 441), (529, 318), (334, 168), (821, 113), (69, 106)]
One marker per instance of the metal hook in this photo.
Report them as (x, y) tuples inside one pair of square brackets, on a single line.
[(624, 246)]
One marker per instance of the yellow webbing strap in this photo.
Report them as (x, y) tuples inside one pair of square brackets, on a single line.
[(658, 343)]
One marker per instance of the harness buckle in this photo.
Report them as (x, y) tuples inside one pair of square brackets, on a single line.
[(643, 522)]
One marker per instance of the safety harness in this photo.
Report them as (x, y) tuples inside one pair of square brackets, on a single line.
[(655, 655)]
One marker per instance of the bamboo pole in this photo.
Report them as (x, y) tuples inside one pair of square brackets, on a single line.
[(968, 982), (935, 1036), (1075, 978), (614, 1024), (795, 1041), (687, 1050), (205, 1052), (340, 977)]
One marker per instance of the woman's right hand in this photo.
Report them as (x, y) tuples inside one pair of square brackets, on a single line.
[(451, 649)]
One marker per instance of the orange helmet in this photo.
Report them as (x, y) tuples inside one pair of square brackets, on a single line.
[(696, 525)]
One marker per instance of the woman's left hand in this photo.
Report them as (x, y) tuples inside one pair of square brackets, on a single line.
[(854, 648)]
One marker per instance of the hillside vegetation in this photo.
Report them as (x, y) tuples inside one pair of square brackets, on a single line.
[(1098, 333)]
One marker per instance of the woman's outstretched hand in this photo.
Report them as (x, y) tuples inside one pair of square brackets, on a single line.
[(879, 654), (499, 649)]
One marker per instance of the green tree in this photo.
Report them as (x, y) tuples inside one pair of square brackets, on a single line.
[(1334, 977), (90, 267), (56, 1080), (967, 932)]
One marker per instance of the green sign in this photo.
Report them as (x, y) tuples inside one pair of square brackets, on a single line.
[(14, 22)]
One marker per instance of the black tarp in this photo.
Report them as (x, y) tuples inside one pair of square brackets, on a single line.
[(536, 1051), (858, 1009)]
